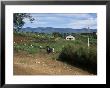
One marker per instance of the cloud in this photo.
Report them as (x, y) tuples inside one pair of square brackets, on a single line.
[(71, 20), (77, 24)]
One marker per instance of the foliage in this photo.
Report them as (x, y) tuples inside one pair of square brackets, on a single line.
[(57, 34), (18, 20), (80, 56)]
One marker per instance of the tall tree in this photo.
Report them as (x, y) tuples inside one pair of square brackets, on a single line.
[(18, 20)]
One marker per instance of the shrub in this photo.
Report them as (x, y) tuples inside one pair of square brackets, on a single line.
[(80, 56)]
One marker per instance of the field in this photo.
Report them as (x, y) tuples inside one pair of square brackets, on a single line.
[(71, 57)]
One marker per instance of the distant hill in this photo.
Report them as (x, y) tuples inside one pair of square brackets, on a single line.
[(60, 30)]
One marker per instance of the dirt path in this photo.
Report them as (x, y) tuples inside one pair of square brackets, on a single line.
[(41, 65)]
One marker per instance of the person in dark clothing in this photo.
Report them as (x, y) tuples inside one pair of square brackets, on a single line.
[(49, 50)]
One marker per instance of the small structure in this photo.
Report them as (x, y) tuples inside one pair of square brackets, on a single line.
[(70, 37)]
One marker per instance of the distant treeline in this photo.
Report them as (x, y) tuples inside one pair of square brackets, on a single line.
[(63, 35)]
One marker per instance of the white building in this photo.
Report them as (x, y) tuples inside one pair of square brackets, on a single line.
[(70, 37)]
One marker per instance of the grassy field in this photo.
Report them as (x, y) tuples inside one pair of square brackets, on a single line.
[(68, 51)]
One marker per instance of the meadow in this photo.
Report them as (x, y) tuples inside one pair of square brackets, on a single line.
[(73, 52)]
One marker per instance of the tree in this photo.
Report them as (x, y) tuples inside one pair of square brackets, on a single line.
[(18, 20), (56, 34)]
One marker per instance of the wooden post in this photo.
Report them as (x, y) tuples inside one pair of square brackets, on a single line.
[(88, 40)]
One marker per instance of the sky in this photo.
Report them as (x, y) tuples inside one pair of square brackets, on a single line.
[(63, 20)]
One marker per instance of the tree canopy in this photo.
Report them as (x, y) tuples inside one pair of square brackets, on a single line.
[(18, 20)]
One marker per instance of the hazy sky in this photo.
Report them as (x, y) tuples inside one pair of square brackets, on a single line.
[(63, 20)]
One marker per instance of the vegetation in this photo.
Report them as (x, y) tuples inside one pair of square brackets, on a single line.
[(80, 56), (19, 20), (72, 52)]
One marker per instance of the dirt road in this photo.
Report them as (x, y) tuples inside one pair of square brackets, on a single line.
[(39, 64)]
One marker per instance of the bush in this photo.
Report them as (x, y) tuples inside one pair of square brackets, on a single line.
[(80, 56)]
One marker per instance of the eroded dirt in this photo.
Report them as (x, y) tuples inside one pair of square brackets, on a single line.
[(41, 64)]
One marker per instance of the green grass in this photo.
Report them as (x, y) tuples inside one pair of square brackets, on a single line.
[(30, 48)]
